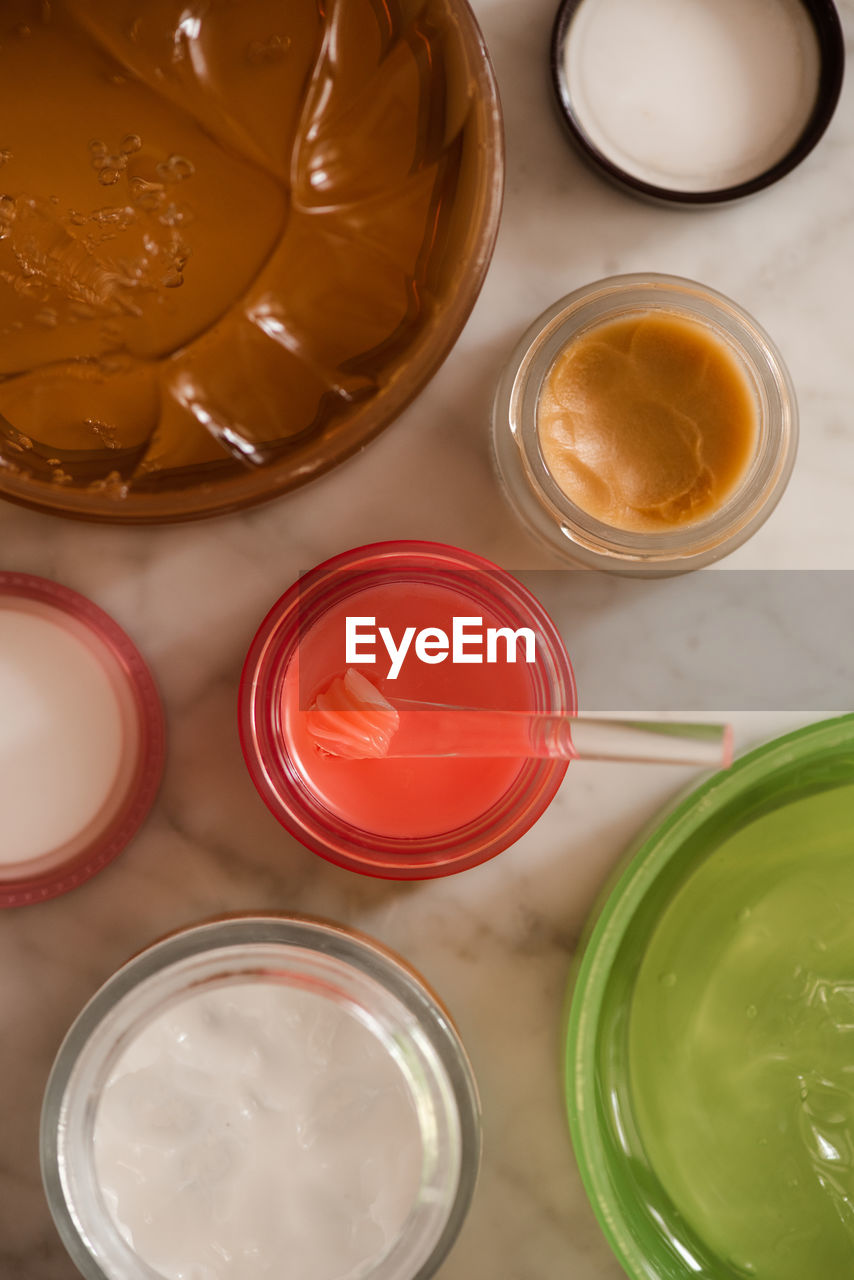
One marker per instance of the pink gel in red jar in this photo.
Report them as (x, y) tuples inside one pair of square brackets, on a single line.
[(400, 819)]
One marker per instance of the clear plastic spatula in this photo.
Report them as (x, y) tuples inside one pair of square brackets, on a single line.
[(353, 720)]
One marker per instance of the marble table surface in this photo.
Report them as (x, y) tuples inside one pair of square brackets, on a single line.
[(497, 941)]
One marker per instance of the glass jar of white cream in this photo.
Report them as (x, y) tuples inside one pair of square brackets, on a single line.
[(645, 424), (261, 1097)]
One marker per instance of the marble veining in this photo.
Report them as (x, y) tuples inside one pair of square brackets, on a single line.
[(496, 942)]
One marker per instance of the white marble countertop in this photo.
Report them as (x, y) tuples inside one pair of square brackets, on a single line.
[(496, 942)]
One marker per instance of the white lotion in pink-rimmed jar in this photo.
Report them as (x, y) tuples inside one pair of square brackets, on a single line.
[(61, 735), (81, 739)]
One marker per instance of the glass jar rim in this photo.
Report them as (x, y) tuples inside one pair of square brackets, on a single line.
[(689, 545), (275, 775), (172, 967)]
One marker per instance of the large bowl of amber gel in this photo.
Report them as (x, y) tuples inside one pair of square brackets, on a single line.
[(235, 239)]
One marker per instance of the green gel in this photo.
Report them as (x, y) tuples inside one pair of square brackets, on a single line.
[(741, 1045)]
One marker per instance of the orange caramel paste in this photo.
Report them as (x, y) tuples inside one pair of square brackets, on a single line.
[(648, 422)]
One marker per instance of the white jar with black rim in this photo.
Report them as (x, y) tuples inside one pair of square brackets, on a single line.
[(696, 102)]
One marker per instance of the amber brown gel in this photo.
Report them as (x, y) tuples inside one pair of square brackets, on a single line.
[(222, 227), (647, 422)]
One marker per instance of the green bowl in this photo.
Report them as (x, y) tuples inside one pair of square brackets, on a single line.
[(643, 1227)]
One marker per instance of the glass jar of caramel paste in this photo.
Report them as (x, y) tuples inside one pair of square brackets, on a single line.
[(645, 424)]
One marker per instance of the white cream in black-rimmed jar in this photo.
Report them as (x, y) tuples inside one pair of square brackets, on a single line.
[(691, 543), (697, 102)]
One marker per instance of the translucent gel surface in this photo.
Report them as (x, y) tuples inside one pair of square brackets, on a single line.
[(742, 1045), (258, 1131), (403, 797)]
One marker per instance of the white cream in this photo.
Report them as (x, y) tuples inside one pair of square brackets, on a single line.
[(693, 95), (61, 735), (258, 1130)]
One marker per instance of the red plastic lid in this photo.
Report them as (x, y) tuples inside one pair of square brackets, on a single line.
[(82, 739)]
